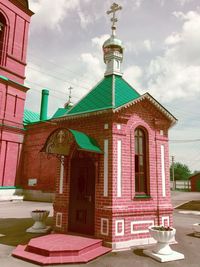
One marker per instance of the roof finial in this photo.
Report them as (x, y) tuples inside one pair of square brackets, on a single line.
[(70, 93), (113, 9), (69, 103)]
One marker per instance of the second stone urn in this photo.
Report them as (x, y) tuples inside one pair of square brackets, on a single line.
[(162, 250), (39, 226)]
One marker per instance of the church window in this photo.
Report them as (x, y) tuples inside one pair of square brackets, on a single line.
[(118, 64), (2, 36), (141, 143)]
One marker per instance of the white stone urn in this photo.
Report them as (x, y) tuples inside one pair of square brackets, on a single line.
[(196, 228), (162, 251), (163, 236), (39, 217)]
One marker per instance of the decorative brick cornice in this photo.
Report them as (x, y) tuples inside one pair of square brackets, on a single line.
[(11, 128), (154, 102), (19, 86), (22, 7)]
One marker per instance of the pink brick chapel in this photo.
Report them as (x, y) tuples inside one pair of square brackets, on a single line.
[(106, 158)]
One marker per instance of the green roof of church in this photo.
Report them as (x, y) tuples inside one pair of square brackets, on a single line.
[(59, 112), (112, 92), (30, 117)]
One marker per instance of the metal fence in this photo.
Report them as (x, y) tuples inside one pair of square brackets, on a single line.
[(181, 185)]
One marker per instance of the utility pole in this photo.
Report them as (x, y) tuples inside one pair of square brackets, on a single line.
[(173, 181)]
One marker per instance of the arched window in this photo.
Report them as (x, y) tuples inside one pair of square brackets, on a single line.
[(2, 36), (141, 170)]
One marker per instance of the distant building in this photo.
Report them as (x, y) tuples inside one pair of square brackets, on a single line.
[(195, 182)]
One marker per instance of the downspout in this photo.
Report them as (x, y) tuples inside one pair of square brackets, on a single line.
[(44, 105)]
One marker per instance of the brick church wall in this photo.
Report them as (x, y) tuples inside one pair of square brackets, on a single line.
[(12, 91), (117, 219)]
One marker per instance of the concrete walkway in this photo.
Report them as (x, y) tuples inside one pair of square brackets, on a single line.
[(15, 219)]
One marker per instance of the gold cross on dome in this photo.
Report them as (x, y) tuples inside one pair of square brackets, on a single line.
[(113, 9)]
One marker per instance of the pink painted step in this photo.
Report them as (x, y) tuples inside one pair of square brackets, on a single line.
[(58, 249)]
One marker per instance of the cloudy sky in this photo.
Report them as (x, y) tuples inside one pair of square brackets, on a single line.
[(162, 57)]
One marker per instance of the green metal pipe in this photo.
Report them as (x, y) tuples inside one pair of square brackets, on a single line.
[(44, 105)]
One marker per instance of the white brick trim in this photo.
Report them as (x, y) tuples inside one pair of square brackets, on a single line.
[(117, 246), (106, 126), (104, 220), (116, 228), (163, 170), (119, 127), (150, 222), (105, 184), (165, 218), (119, 168), (59, 219)]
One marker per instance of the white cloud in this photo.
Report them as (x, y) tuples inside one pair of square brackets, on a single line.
[(93, 66), (98, 41), (148, 45), (85, 19), (172, 39), (133, 75), (137, 3), (177, 73), (139, 47), (183, 2), (49, 14)]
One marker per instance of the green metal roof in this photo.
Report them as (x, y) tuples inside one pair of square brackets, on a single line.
[(30, 117), (124, 93), (60, 112), (112, 92), (85, 142)]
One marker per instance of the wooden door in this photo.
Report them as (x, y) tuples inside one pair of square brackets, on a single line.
[(82, 196)]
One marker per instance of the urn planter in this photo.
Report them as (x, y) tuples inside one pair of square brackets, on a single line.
[(39, 226), (196, 228), (163, 236), (162, 250)]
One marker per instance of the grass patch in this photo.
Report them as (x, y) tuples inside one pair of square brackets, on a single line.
[(191, 205)]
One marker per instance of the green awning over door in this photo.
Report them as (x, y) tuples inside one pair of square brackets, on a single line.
[(85, 142), (61, 140)]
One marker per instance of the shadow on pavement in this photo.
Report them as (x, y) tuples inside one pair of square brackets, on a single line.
[(139, 252), (13, 231), (193, 235)]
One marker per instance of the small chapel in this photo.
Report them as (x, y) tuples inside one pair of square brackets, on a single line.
[(106, 158)]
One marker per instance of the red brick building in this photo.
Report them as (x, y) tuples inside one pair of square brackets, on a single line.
[(106, 158), (195, 182), (14, 24)]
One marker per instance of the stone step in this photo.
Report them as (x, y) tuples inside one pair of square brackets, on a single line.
[(62, 250), (53, 249)]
